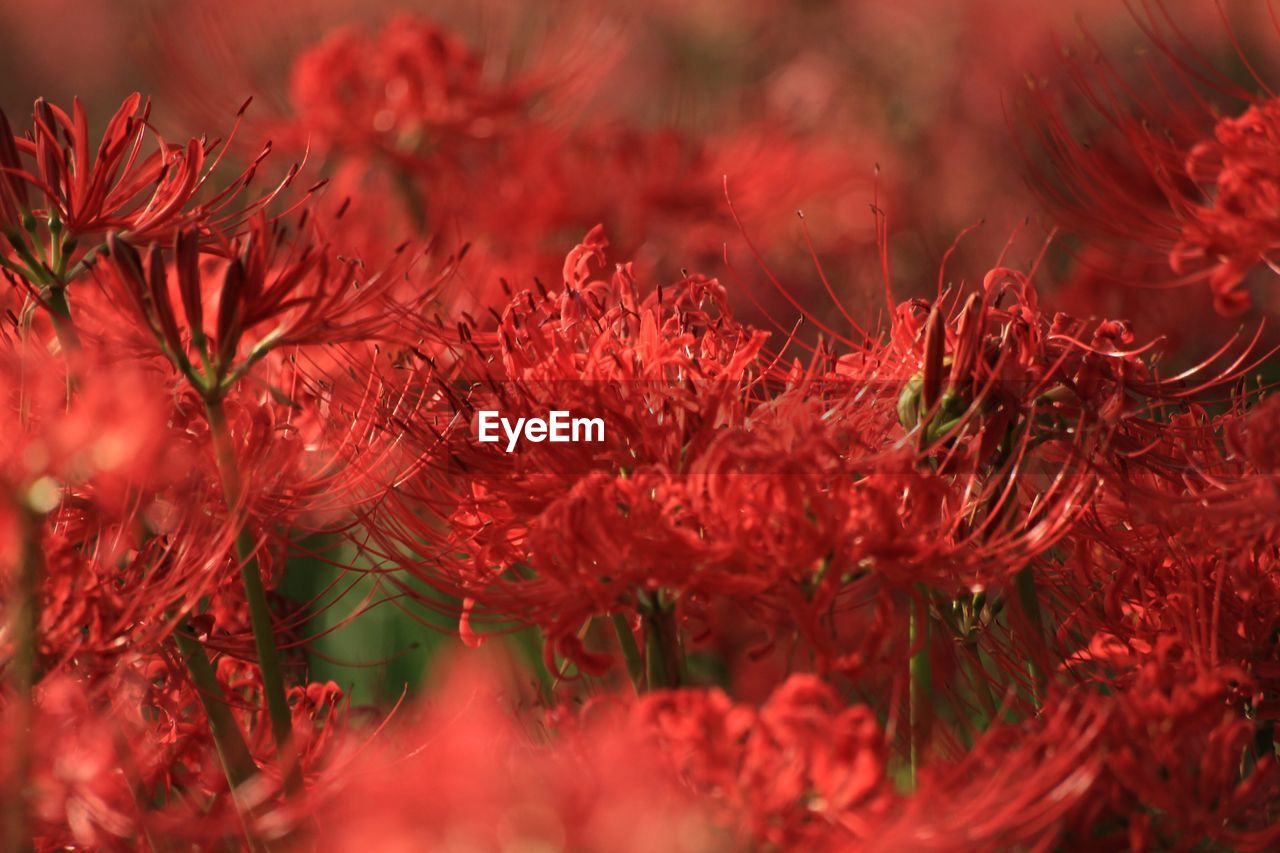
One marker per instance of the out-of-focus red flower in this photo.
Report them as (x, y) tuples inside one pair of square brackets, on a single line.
[(1237, 228), (413, 92), (1020, 786), (1187, 173), (1256, 436), (1175, 751), (80, 791), (111, 439), (481, 779), (804, 769)]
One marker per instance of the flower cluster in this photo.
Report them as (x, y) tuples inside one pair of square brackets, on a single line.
[(926, 557)]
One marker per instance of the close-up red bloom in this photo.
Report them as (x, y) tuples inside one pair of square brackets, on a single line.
[(607, 426)]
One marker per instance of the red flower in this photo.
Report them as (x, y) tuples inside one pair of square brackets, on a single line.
[(1170, 175), (803, 770), (479, 779), (1239, 228), (412, 88), (75, 191)]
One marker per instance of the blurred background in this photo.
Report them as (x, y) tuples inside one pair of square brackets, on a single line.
[(915, 107)]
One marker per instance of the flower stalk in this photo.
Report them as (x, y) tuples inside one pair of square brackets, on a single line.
[(233, 753), (664, 654), (63, 326), (1029, 600), (920, 683), (630, 651), (256, 596)]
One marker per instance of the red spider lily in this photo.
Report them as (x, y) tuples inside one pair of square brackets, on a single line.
[(412, 88), (110, 440), (985, 486), (423, 134), (284, 337), (719, 495), (106, 559), (673, 373), (804, 769), (1187, 771), (160, 706), (283, 295), (1252, 436), (54, 176), (973, 574), (79, 792), (1077, 775), (89, 477), (1026, 411), (1163, 586), (1238, 230), (302, 295), (482, 781), (1099, 283), (320, 715), (156, 722), (1171, 173), (665, 209), (97, 604), (271, 293), (131, 757)]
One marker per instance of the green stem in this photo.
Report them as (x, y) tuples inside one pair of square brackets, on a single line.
[(663, 653), (256, 595), (982, 687), (630, 651), (234, 753), (920, 685), (68, 336), (24, 624), (63, 326), (237, 762), (1029, 599)]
